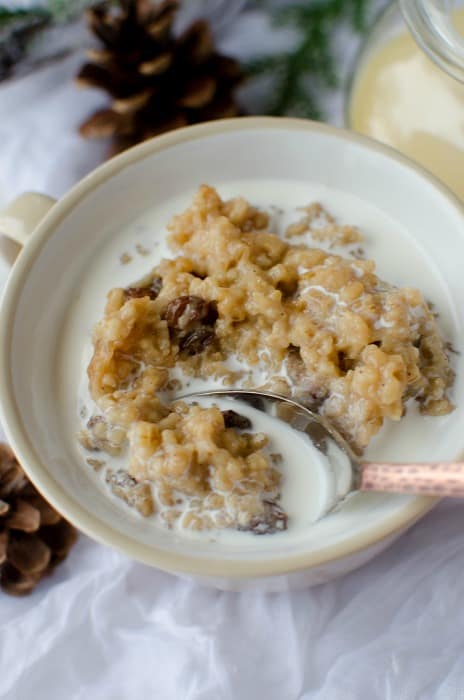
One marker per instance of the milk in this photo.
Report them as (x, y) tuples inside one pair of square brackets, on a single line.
[(308, 485)]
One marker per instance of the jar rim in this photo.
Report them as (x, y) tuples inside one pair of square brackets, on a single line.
[(430, 23)]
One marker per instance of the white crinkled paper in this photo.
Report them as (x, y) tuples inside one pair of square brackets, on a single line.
[(106, 628), (111, 629)]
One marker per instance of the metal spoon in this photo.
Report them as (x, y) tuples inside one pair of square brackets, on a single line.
[(351, 474)]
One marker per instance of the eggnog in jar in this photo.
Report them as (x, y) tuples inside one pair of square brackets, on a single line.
[(401, 98)]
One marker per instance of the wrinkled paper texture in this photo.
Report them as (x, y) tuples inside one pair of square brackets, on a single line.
[(107, 628)]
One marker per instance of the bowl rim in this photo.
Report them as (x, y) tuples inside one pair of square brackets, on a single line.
[(22, 445)]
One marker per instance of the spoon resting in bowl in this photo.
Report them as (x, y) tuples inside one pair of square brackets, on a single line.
[(351, 473)]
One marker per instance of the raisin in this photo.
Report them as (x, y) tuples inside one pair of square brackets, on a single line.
[(151, 290), (184, 310), (288, 288), (212, 314), (197, 340), (274, 519), (294, 351), (188, 309), (346, 363), (199, 275), (232, 419)]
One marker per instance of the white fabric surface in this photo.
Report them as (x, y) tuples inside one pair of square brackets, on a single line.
[(107, 628)]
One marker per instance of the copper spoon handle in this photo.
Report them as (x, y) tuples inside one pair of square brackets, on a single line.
[(431, 479)]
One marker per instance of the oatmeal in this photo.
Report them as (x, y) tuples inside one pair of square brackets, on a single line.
[(323, 328), (322, 227)]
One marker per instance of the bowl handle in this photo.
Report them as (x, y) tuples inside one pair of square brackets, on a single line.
[(23, 215)]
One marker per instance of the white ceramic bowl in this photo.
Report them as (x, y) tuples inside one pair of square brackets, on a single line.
[(48, 275)]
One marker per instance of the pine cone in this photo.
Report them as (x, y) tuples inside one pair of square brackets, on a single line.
[(34, 538), (157, 82)]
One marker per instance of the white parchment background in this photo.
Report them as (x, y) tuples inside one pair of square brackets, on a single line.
[(106, 628)]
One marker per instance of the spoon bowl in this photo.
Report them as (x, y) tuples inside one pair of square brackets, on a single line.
[(350, 474)]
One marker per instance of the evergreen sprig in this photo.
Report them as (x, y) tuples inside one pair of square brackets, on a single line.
[(52, 9), (19, 27), (8, 15), (299, 73)]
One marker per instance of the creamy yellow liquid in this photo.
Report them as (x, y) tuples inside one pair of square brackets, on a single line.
[(401, 98)]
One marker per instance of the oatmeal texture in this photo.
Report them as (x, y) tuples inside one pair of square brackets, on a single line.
[(325, 328), (322, 227)]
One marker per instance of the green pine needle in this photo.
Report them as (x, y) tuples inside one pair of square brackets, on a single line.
[(8, 15), (53, 9), (20, 26), (299, 74)]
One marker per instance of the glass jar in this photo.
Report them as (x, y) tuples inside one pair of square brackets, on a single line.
[(408, 86)]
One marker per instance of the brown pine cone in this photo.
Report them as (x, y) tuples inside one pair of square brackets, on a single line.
[(34, 538), (157, 81)]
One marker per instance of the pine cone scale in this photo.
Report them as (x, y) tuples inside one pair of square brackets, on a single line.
[(118, 84), (105, 30), (7, 460), (93, 75), (59, 538), (221, 108), (101, 57), (157, 65), (198, 93), (175, 122), (28, 556), (133, 103), (197, 41), (23, 517), (48, 515), (3, 546), (102, 124), (15, 583), (11, 482), (158, 23), (12, 478)]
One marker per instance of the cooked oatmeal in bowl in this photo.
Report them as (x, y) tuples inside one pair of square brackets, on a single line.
[(241, 303)]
